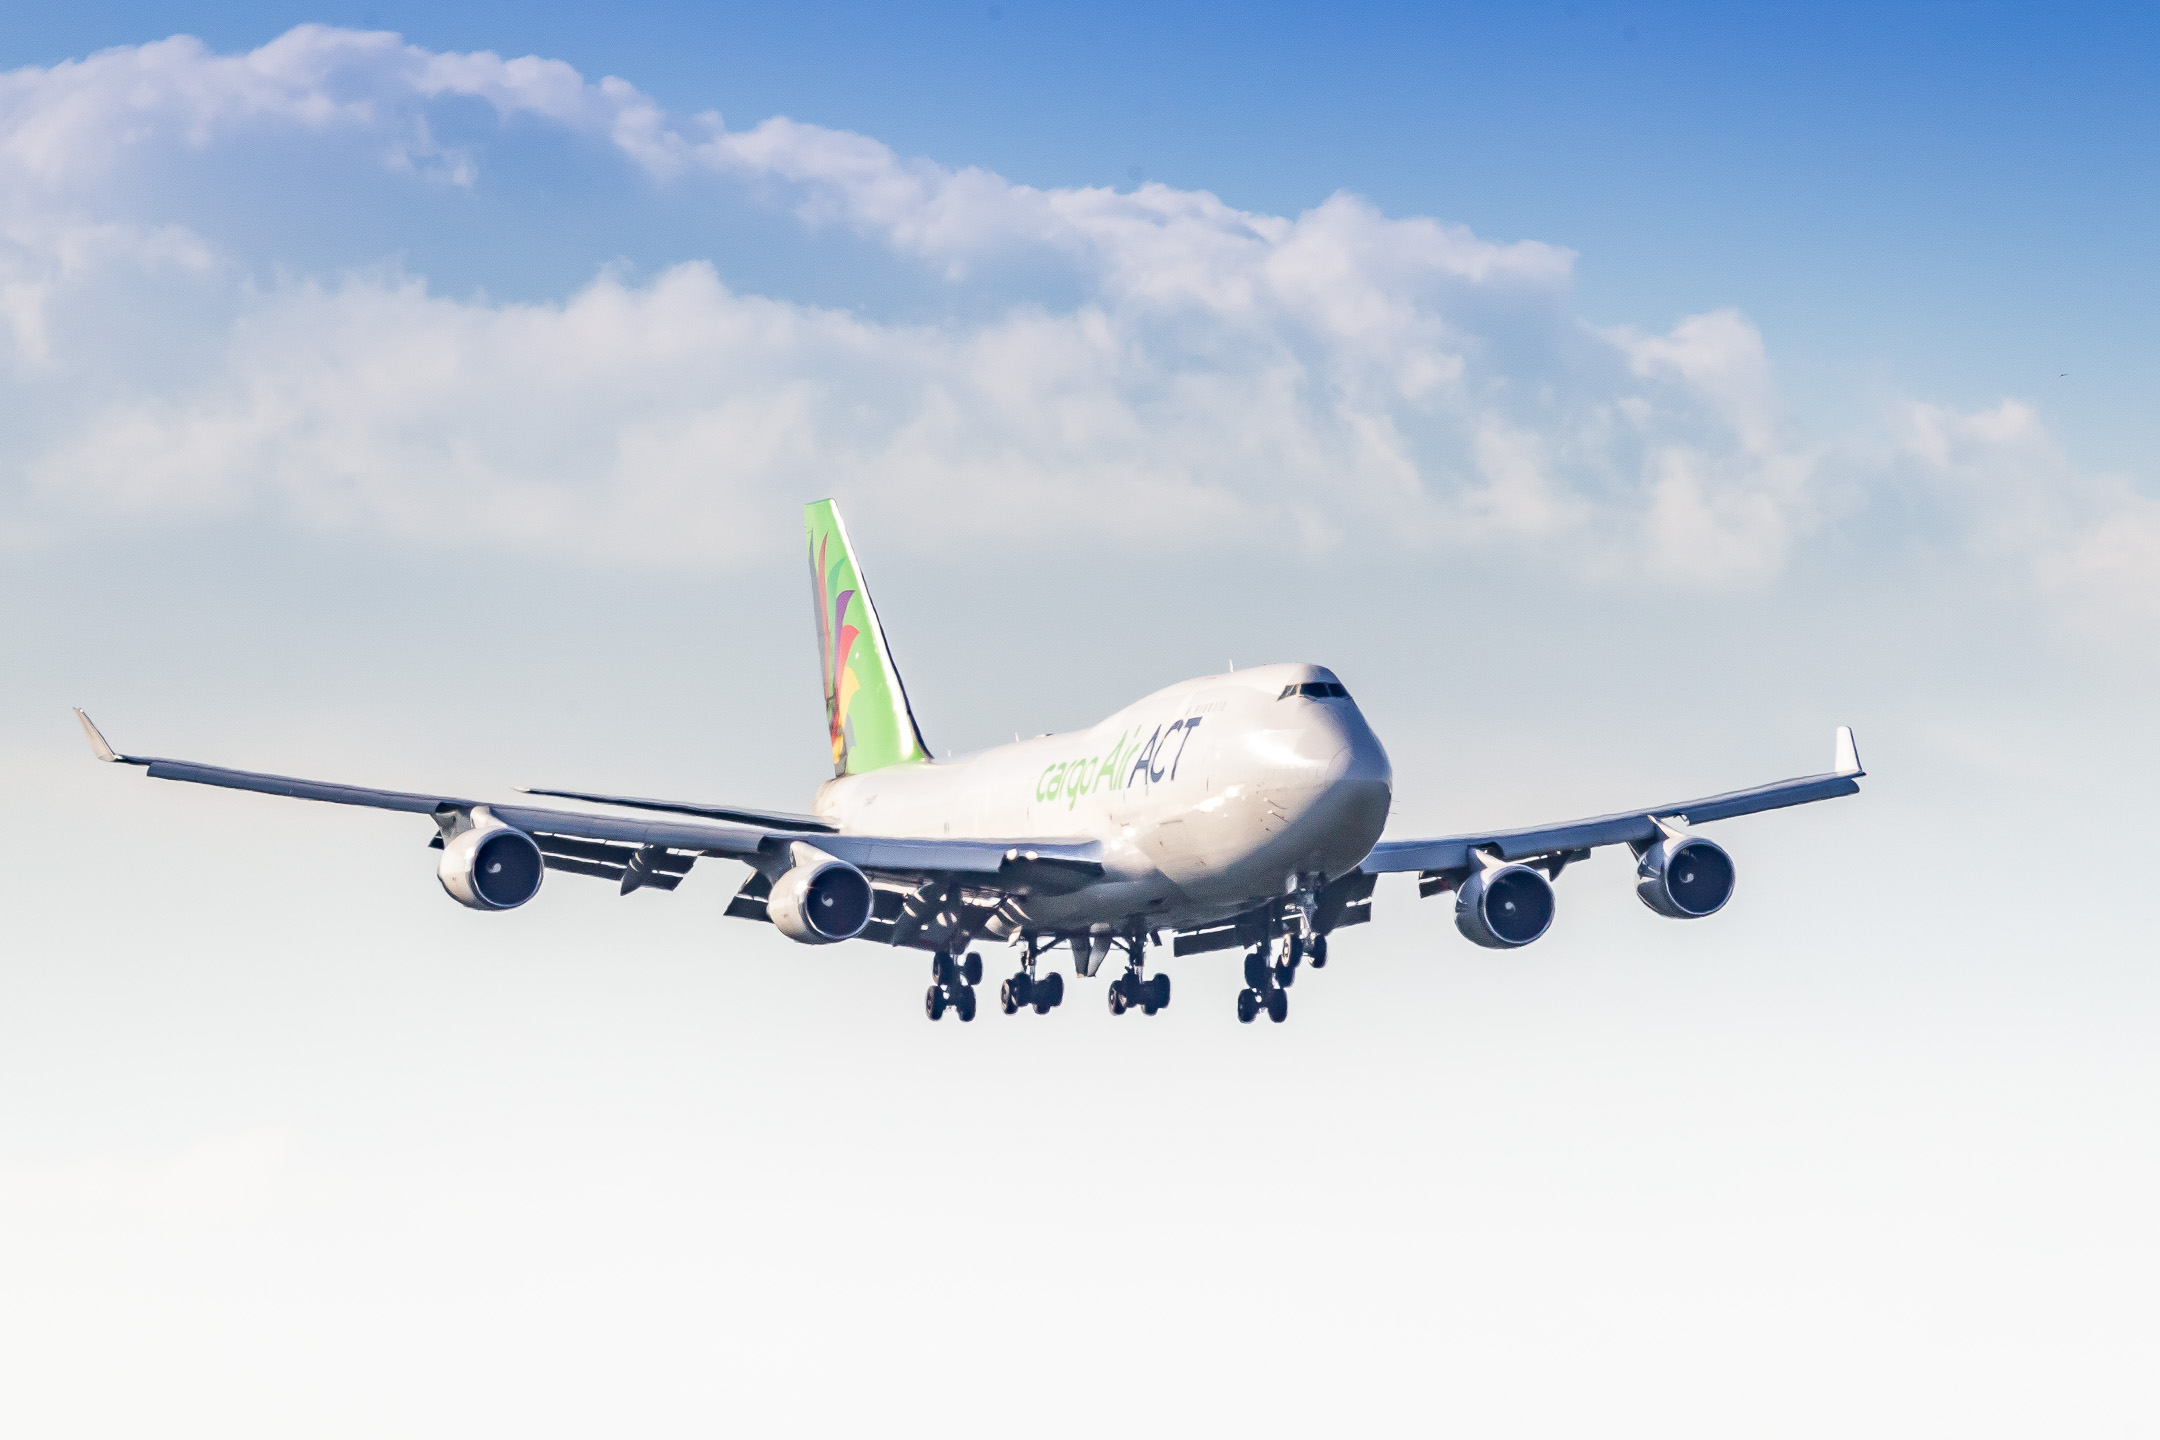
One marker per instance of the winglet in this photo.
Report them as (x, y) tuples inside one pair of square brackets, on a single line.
[(1848, 754), (98, 747)]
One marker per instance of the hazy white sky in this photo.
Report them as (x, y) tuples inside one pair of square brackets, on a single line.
[(393, 412)]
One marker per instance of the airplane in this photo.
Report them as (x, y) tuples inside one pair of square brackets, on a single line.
[(1234, 811)]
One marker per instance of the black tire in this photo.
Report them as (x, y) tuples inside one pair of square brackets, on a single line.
[(1049, 993), (1248, 1006), (1159, 992), (1319, 952), (1117, 1000), (1258, 973), (1297, 951), (971, 970), (1007, 1001), (1285, 976), (934, 1003), (1278, 1006), (941, 969), (964, 1004)]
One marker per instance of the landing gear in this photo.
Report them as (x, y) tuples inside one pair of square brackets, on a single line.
[(1266, 983), (1131, 989), (1041, 994), (1317, 952), (1025, 989), (953, 986)]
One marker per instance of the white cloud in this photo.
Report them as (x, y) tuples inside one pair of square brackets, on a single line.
[(1219, 373), (68, 125), (2091, 543)]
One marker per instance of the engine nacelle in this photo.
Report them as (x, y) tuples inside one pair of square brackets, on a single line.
[(1685, 877), (1504, 908), (820, 901), (491, 866)]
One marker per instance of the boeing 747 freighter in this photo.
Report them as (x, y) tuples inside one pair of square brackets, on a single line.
[(1239, 811)]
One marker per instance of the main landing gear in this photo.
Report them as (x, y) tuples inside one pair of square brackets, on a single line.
[(1130, 989), (953, 982), (1267, 985), (1026, 989)]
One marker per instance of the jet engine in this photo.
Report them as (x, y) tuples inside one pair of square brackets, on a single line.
[(1504, 907), (820, 901), (491, 866), (1684, 877)]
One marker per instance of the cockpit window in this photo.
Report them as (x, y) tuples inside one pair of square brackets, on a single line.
[(1315, 689)]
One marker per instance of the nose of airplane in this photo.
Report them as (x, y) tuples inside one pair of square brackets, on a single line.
[(1361, 760), (1352, 805)]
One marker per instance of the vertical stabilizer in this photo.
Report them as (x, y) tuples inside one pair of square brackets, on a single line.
[(866, 706)]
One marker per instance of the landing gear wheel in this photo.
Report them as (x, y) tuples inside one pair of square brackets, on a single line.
[(934, 1003), (1319, 952), (1297, 951), (1248, 1006), (1048, 994), (1158, 993), (1014, 992), (944, 970), (1258, 973), (971, 970), (1278, 1006), (964, 1003), (1117, 999)]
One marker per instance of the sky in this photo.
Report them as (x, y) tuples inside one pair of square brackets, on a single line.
[(1617, 398)]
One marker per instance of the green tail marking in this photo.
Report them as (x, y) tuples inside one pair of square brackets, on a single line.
[(866, 706)]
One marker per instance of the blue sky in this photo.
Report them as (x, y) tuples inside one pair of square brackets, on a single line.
[(1957, 199), (1617, 399)]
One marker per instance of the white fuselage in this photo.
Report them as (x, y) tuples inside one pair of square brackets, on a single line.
[(1208, 797)]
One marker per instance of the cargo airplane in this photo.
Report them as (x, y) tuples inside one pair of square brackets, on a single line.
[(1240, 811)]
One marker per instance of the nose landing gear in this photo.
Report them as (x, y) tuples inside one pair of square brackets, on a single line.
[(952, 987), (1266, 983)]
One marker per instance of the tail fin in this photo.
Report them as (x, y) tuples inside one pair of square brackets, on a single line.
[(866, 706)]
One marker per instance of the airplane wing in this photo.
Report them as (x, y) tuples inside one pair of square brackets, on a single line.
[(1555, 846), (738, 814), (607, 846)]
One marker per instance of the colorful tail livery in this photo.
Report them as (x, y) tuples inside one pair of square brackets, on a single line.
[(866, 706)]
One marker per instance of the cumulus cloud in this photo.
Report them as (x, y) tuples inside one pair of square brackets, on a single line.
[(2002, 484), (74, 122), (1203, 373)]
